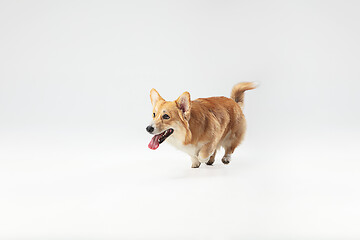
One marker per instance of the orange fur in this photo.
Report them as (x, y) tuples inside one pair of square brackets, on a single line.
[(204, 125)]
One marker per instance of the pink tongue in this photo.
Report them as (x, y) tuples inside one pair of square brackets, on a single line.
[(154, 143)]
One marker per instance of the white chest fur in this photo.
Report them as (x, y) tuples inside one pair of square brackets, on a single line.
[(178, 142)]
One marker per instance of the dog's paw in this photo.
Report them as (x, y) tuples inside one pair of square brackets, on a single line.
[(226, 159), (195, 165), (210, 162)]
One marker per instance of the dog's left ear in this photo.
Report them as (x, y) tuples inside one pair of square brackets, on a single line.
[(155, 97), (184, 104)]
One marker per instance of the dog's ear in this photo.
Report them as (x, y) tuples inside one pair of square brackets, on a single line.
[(155, 97), (184, 104)]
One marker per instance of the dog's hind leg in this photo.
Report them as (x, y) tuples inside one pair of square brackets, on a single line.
[(212, 159), (230, 144), (227, 157)]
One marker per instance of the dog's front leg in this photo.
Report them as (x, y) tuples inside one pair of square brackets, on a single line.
[(206, 152), (195, 162)]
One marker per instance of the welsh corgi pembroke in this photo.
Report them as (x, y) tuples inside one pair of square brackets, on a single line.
[(202, 126)]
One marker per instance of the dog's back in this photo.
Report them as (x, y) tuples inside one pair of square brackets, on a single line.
[(212, 118)]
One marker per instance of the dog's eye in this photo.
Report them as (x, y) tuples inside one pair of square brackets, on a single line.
[(153, 114), (165, 116)]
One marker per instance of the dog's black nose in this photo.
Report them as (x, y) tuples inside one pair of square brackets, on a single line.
[(150, 129)]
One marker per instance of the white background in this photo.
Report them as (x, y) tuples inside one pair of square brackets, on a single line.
[(75, 78)]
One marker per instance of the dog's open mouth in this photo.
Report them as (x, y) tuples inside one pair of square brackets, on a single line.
[(160, 138)]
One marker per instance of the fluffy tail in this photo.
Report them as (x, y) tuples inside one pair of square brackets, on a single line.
[(237, 93)]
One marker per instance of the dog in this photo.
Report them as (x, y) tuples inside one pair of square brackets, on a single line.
[(200, 127)]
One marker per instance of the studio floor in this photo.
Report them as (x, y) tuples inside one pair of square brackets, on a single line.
[(76, 189)]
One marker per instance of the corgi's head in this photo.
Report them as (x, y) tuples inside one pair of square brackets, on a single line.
[(169, 118)]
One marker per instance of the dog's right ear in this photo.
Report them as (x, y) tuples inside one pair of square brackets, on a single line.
[(155, 97)]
